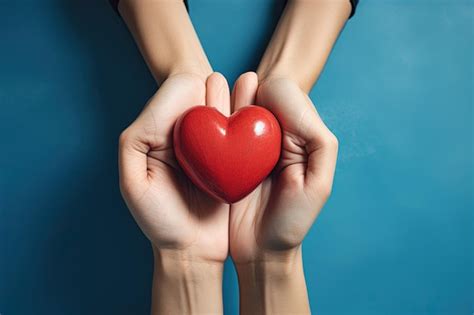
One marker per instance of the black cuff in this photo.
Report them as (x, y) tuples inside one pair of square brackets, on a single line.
[(354, 6)]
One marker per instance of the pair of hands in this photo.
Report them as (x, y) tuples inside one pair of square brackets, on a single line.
[(270, 223), (191, 233)]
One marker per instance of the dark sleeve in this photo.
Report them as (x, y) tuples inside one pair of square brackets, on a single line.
[(354, 6), (114, 4)]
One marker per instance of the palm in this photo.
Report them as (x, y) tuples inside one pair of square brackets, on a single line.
[(171, 211), (278, 214)]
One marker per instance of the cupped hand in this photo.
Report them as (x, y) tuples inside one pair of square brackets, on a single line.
[(277, 215), (171, 211)]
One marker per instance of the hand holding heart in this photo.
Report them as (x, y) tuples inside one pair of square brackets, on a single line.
[(276, 216), (269, 168), (176, 215), (173, 213)]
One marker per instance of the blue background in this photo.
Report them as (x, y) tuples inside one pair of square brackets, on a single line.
[(396, 236)]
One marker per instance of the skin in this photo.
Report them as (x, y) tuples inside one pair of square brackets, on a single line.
[(268, 226), (191, 234), (188, 230)]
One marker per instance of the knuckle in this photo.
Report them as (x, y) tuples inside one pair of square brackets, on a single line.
[(126, 189), (325, 190), (124, 137), (321, 190), (331, 140)]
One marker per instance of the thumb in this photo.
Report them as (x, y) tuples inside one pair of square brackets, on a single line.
[(245, 90), (217, 93)]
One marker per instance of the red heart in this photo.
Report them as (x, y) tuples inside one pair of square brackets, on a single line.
[(227, 157)]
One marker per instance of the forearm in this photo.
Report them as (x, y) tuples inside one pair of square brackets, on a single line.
[(303, 40), (273, 285), (165, 36), (182, 285)]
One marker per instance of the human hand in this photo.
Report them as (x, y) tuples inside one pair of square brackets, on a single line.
[(187, 228), (172, 212), (278, 214), (268, 226)]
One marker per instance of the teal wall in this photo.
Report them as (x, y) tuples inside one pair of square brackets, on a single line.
[(395, 238)]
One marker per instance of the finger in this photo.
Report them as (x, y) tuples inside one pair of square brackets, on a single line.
[(217, 93), (293, 108), (245, 90)]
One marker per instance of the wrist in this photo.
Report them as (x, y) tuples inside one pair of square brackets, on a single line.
[(201, 69), (274, 283), (272, 70), (268, 262), (303, 39), (184, 284), (271, 75), (165, 36)]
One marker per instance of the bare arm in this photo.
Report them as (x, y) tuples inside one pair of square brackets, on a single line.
[(274, 284), (303, 40), (187, 279), (165, 36), (271, 274)]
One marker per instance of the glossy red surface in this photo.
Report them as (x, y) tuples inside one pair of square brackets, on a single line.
[(227, 157)]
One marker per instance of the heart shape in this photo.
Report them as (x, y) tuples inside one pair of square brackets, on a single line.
[(227, 157)]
